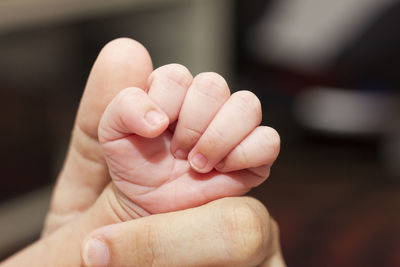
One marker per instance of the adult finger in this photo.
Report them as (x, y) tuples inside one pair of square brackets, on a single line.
[(132, 111), (62, 247), (276, 259), (167, 86), (204, 98), (121, 63), (239, 116), (259, 148), (226, 232)]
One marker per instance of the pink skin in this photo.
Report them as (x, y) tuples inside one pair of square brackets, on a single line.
[(146, 171), (153, 179)]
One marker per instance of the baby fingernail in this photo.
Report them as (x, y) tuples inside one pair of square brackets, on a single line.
[(154, 117), (96, 253), (198, 161)]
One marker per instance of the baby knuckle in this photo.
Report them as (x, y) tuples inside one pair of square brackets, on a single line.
[(180, 70), (211, 79), (178, 75), (248, 102), (213, 85)]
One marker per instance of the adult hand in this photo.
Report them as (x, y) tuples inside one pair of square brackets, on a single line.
[(226, 232), (77, 209)]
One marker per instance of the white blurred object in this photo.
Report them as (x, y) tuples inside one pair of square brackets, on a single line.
[(308, 34), (345, 111), (350, 112)]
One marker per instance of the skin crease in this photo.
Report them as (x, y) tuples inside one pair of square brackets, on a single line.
[(85, 205)]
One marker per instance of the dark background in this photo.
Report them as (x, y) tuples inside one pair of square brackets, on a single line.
[(334, 194)]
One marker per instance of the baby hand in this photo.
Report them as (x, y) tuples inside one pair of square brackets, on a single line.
[(184, 142)]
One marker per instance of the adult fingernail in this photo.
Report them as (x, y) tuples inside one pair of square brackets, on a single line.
[(198, 161), (180, 154), (96, 253), (154, 117)]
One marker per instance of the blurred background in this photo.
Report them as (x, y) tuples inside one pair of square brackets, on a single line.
[(327, 73)]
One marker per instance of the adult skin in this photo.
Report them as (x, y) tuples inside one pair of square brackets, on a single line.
[(86, 224)]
